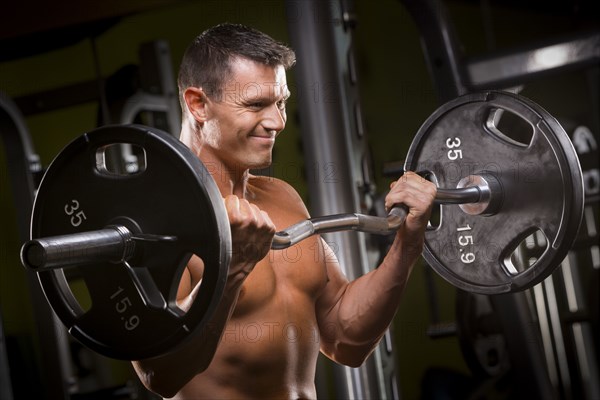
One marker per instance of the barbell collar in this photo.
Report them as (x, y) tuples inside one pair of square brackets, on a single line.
[(114, 244), (490, 191)]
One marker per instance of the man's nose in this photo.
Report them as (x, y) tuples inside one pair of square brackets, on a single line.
[(275, 118)]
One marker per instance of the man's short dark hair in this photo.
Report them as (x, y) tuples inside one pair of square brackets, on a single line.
[(207, 60)]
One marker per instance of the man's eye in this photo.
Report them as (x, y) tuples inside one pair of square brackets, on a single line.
[(281, 104)]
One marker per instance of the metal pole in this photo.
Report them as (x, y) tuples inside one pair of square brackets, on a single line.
[(317, 35), (23, 164)]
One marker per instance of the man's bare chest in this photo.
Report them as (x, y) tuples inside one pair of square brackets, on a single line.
[(289, 275)]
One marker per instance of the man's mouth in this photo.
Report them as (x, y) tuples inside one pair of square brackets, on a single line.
[(263, 138)]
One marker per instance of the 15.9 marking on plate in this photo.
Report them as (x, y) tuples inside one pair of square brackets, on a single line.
[(131, 322), (463, 241)]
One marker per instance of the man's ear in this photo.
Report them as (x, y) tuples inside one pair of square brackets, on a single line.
[(196, 102)]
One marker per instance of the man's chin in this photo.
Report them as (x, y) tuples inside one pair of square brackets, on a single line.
[(261, 167)]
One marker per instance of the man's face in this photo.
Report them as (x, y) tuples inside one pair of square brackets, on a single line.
[(243, 124)]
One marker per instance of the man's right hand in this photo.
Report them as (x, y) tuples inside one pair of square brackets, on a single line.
[(252, 233)]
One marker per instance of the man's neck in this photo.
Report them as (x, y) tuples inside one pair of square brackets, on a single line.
[(230, 179)]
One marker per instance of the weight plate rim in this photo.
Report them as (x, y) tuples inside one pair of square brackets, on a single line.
[(574, 174), (65, 299)]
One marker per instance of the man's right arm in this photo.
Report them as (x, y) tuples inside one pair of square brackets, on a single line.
[(167, 374)]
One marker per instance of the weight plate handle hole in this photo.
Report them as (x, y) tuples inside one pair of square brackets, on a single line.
[(189, 281), (527, 252), (435, 220), (121, 159), (81, 294), (509, 127)]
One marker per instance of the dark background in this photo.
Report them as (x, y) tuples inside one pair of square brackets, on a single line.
[(48, 44)]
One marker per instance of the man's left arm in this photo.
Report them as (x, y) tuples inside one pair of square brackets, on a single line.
[(353, 316)]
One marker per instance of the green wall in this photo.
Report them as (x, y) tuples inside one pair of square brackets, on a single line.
[(397, 97), (51, 131)]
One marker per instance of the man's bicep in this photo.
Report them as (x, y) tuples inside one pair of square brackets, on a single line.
[(191, 276), (196, 269), (329, 301)]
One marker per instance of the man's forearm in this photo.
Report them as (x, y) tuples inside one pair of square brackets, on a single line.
[(166, 375), (369, 303)]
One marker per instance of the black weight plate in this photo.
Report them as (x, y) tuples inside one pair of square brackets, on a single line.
[(542, 191), (480, 335), (174, 196)]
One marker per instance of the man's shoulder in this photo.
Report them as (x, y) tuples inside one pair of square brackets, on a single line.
[(272, 185), (276, 191)]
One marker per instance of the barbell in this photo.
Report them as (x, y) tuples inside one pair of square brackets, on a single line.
[(129, 236)]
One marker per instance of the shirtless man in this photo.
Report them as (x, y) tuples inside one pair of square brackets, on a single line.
[(278, 311)]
